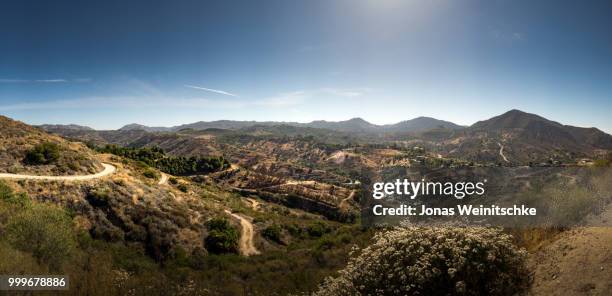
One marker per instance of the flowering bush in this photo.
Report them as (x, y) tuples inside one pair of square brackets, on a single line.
[(434, 261)]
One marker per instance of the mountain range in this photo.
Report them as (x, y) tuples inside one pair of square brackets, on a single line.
[(525, 137), (354, 125)]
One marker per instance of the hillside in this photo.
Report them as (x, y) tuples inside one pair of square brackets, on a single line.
[(421, 124), (138, 224), (28, 150), (524, 137)]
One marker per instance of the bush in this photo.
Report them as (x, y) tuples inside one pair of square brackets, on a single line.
[(151, 174), (7, 195), (222, 238), (273, 233), (318, 229), (45, 153), (45, 231), (182, 187), (434, 261)]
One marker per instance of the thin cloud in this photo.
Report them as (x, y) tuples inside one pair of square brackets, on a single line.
[(345, 92), (13, 80), (159, 100), (59, 80), (211, 90), (507, 36), (109, 102), (50, 80)]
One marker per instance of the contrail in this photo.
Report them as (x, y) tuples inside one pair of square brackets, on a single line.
[(211, 90)]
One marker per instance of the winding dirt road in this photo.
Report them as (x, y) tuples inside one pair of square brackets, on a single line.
[(108, 169), (501, 152), (246, 243)]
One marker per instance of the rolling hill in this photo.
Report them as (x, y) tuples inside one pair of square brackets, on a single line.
[(28, 150), (526, 137)]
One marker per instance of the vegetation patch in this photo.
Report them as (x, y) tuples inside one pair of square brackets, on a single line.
[(434, 261), (179, 166), (222, 238), (45, 153)]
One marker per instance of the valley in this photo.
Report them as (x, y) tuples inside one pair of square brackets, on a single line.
[(231, 206)]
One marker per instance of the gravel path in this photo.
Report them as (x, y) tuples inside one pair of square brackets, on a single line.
[(108, 169)]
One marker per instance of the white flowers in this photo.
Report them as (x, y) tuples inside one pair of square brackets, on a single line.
[(433, 261)]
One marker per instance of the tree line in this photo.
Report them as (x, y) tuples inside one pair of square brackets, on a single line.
[(179, 166)]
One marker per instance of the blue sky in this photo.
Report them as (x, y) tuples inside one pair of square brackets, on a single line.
[(108, 63)]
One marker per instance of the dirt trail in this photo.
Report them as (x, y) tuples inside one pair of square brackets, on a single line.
[(246, 243), (163, 179), (345, 202), (108, 169), (501, 152)]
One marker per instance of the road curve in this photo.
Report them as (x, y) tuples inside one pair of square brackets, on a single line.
[(108, 169), (246, 243), (501, 152), (163, 179)]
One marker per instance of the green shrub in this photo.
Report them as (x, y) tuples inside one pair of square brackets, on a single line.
[(45, 231), (7, 195), (434, 261), (173, 181), (151, 174), (317, 229), (45, 153), (273, 233), (222, 238), (182, 187)]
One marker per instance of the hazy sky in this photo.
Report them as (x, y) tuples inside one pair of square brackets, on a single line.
[(108, 63)]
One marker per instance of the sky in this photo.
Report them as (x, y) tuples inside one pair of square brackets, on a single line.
[(108, 63)]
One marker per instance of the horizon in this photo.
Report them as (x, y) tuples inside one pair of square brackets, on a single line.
[(166, 64), (289, 122)]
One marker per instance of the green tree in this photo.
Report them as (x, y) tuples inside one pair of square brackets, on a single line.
[(222, 238), (45, 153)]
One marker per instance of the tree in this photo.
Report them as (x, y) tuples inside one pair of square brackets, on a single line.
[(222, 238), (45, 153)]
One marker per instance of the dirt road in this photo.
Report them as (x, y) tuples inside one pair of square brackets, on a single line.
[(108, 169), (501, 152), (345, 202), (246, 243), (163, 179)]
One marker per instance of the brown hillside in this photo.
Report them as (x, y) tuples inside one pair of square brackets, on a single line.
[(17, 138)]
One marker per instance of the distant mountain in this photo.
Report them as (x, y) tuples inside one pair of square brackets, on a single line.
[(354, 125), (222, 124), (135, 126), (56, 127), (526, 137), (534, 128), (421, 124)]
